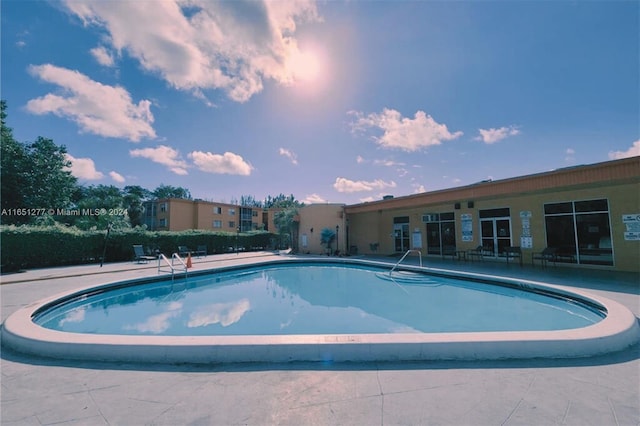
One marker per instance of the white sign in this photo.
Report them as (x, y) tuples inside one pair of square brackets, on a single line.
[(526, 242), (467, 227), (632, 236), (631, 223), (417, 240)]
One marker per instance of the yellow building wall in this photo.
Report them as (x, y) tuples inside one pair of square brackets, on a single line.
[(377, 227), (315, 217)]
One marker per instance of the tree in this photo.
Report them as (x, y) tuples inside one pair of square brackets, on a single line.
[(12, 166), (327, 235), (168, 191), (281, 201), (35, 175), (287, 225), (134, 196), (105, 202)]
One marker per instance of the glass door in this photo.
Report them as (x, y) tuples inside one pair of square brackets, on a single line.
[(496, 235), (401, 237)]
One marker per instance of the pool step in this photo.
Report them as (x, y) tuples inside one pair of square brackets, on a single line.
[(407, 277)]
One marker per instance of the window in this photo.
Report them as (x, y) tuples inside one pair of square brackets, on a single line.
[(163, 207), (217, 210), (580, 231), (254, 213), (232, 212), (232, 224), (217, 224), (162, 222)]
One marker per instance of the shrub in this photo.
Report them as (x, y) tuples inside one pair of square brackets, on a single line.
[(44, 246)]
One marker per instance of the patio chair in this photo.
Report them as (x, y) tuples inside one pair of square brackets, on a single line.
[(513, 252), (477, 252), (201, 251), (449, 251), (140, 256), (545, 256), (184, 251)]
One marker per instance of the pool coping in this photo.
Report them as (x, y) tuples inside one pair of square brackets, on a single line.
[(617, 331)]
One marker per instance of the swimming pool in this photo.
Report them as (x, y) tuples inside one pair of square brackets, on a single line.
[(318, 310)]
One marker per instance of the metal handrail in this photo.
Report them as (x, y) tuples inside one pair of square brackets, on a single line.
[(405, 255), (172, 268)]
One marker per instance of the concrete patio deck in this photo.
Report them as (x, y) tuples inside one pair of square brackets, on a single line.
[(602, 390)]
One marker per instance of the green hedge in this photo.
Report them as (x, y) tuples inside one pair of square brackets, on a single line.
[(43, 246)]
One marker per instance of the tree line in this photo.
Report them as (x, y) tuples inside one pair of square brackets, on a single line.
[(38, 188)]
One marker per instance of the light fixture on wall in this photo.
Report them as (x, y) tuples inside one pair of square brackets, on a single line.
[(456, 206), (311, 230)]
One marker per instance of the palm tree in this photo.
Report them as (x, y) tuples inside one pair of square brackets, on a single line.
[(327, 235)]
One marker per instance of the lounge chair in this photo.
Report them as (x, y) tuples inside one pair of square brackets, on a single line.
[(140, 256)]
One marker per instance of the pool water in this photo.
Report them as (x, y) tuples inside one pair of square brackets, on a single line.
[(314, 299)]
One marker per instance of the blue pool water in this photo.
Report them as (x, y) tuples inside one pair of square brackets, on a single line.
[(314, 299)]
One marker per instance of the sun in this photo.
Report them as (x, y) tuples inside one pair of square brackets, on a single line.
[(307, 68)]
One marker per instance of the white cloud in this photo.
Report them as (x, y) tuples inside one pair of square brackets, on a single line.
[(388, 163), (197, 44), (631, 152), (95, 107), (290, 155), (360, 159), (403, 133), (345, 185), (492, 135), (103, 56), (368, 199), (227, 163), (117, 177), (224, 314), (164, 155), (314, 199), (418, 188), (83, 168)]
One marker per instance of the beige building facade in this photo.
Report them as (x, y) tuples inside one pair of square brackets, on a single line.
[(588, 215)]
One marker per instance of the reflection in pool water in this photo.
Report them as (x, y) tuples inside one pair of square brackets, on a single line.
[(315, 299)]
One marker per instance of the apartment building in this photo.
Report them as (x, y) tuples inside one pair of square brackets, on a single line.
[(173, 214)]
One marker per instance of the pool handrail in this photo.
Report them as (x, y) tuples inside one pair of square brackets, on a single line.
[(405, 255), (172, 268)]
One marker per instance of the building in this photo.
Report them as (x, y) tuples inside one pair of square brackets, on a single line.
[(174, 214), (590, 216)]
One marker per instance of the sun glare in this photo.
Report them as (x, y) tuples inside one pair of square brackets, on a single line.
[(308, 70)]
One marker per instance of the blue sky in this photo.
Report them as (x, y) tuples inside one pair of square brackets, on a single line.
[(339, 102)]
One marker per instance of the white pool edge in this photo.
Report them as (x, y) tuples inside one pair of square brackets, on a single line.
[(617, 331)]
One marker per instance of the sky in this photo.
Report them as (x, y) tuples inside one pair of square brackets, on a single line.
[(331, 101)]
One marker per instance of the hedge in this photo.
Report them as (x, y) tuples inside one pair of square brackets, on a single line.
[(23, 247)]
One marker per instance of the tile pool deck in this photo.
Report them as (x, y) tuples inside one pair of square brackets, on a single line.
[(602, 390)]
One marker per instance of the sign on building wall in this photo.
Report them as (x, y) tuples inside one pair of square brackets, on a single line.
[(526, 240), (417, 239), (632, 226), (467, 227)]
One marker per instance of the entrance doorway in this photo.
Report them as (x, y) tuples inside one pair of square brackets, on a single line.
[(495, 230), (401, 235)]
